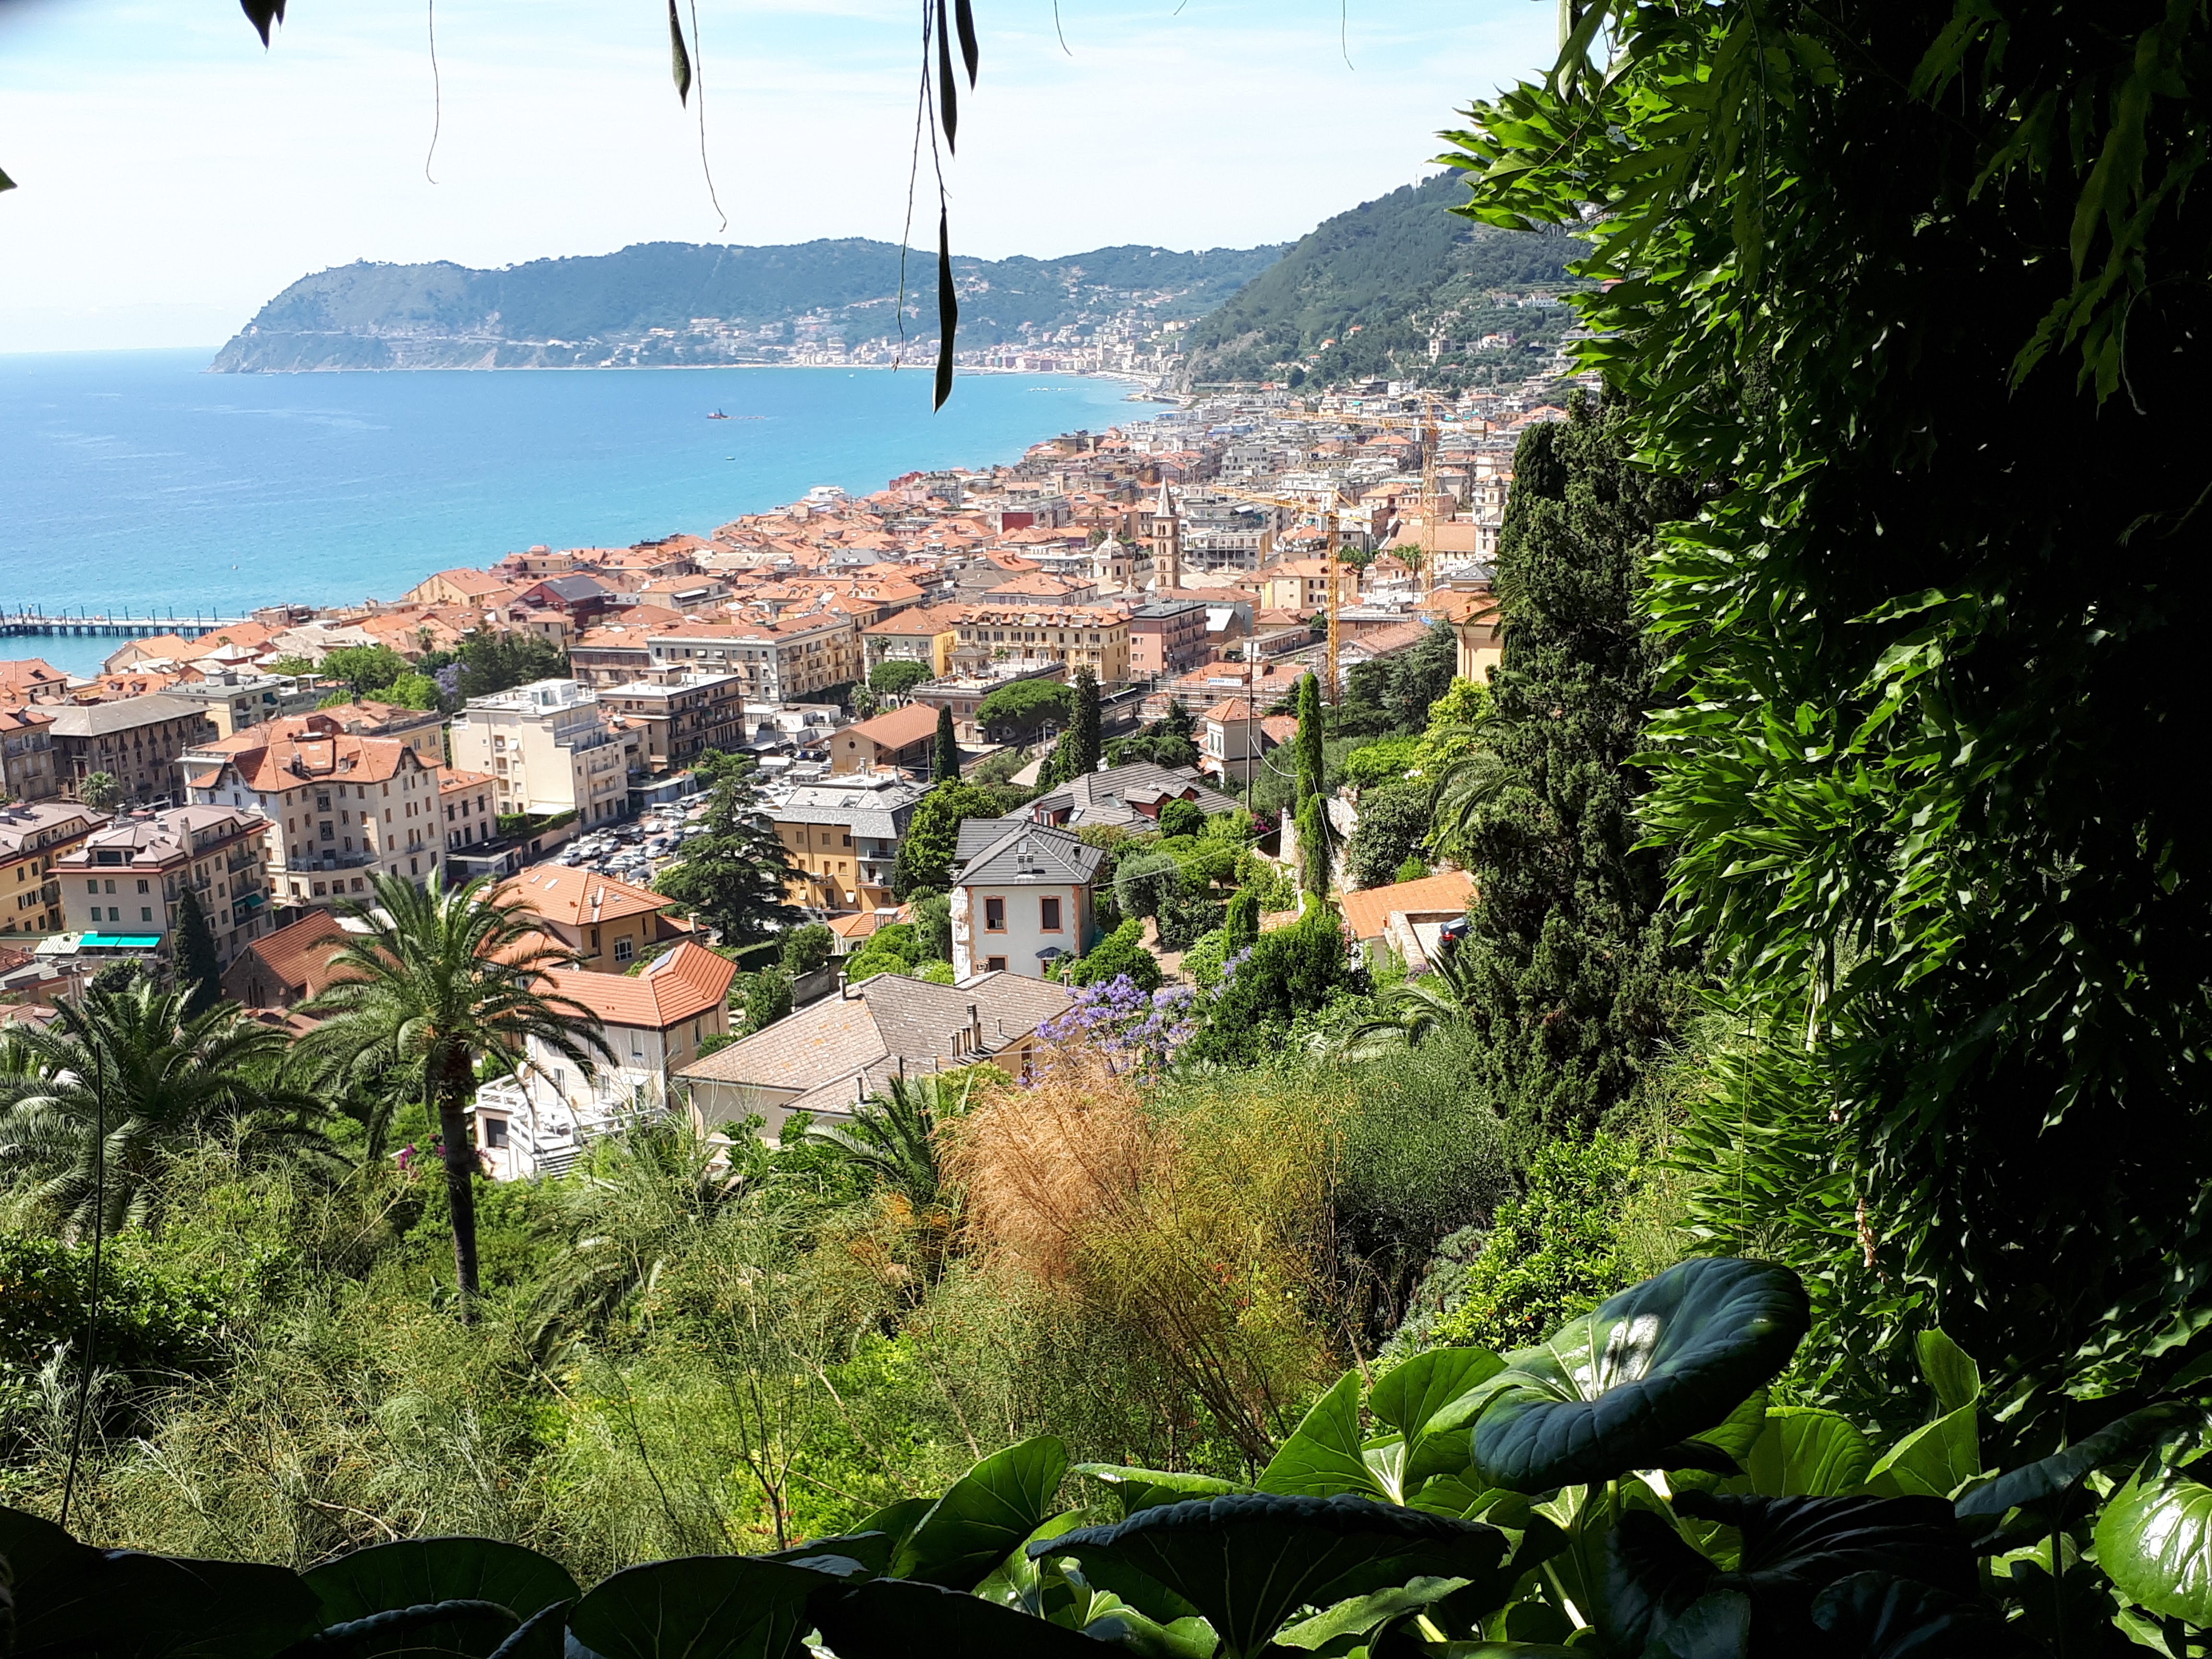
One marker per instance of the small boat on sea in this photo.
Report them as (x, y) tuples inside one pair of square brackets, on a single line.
[(717, 414)]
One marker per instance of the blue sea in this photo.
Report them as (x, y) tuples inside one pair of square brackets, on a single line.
[(136, 481)]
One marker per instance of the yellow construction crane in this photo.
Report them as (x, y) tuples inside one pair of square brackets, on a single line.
[(1329, 513)]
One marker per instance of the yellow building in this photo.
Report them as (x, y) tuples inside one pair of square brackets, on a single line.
[(1096, 637), (31, 838)]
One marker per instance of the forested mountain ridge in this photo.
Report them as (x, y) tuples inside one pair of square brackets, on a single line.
[(677, 302), (1372, 290)]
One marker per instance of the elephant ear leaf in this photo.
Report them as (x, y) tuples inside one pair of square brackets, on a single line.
[(1140, 1489), (984, 1516), (2155, 1542), (2119, 1441), (893, 1618), (1805, 1452), (1322, 1458), (416, 1571), (123, 1603), (728, 1605), (1246, 1564), (1428, 1400), (1661, 1362), (1816, 1540), (1878, 1616)]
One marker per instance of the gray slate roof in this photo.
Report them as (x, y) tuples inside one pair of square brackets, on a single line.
[(845, 1048), (1114, 788), (100, 720), (1030, 852)]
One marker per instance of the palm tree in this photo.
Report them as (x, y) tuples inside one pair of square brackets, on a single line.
[(434, 980), (891, 1140), (1411, 1011), (94, 1105)]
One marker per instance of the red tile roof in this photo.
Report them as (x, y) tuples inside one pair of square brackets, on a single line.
[(680, 985)]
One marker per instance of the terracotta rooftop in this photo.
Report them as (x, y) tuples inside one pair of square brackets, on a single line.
[(1366, 914), (897, 728), (680, 984), (578, 898)]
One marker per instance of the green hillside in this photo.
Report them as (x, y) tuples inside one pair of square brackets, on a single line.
[(1364, 293), (757, 301)]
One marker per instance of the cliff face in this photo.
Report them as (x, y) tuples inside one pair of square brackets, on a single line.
[(671, 304)]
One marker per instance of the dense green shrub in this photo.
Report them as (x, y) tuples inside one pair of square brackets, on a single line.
[(807, 948), (1393, 821), (1553, 1251), (1120, 952)]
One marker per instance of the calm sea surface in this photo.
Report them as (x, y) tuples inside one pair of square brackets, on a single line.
[(134, 480)]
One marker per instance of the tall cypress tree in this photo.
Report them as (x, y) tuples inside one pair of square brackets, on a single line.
[(1309, 739), (1078, 750), (199, 972), (1574, 981), (945, 763)]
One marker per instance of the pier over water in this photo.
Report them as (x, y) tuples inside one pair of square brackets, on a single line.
[(39, 624)]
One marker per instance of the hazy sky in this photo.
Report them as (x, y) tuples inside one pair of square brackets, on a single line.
[(172, 176)]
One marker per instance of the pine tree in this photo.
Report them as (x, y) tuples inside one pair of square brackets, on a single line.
[(734, 875), (1575, 983), (199, 974), (1082, 736), (946, 762)]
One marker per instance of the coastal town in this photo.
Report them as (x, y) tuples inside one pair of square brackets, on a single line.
[(1194, 566)]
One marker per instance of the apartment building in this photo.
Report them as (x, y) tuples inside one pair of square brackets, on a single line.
[(137, 741), (605, 924), (746, 650), (815, 652), (27, 754), (121, 886), (680, 714), (843, 834), (32, 834), (340, 810), (465, 806), (1096, 637), (550, 749), (1167, 637), (235, 699), (925, 634), (1301, 585)]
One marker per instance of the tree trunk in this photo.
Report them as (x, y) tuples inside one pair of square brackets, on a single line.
[(454, 1083)]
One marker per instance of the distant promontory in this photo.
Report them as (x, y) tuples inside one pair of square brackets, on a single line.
[(679, 305)]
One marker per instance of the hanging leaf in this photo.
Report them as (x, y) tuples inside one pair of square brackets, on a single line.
[(1935, 1460), (965, 19), (6, 183), (948, 311), (948, 89), (1663, 1361), (680, 59), (2155, 1542), (262, 13)]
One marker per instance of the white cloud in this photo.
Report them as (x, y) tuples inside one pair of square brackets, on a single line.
[(173, 175)]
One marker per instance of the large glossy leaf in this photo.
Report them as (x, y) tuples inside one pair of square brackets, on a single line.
[(1248, 1563), (1663, 1361), (2116, 1442), (120, 1604), (897, 1521), (417, 1570), (1803, 1452), (1133, 1632), (467, 1627), (1032, 1584), (1872, 1615), (1793, 1548), (729, 1605), (872, 1550), (1430, 1400), (1363, 1614), (1322, 1458), (1934, 1460), (543, 1635), (894, 1619), (984, 1516), (1717, 1625), (1140, 1489), (2155, 1542)]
